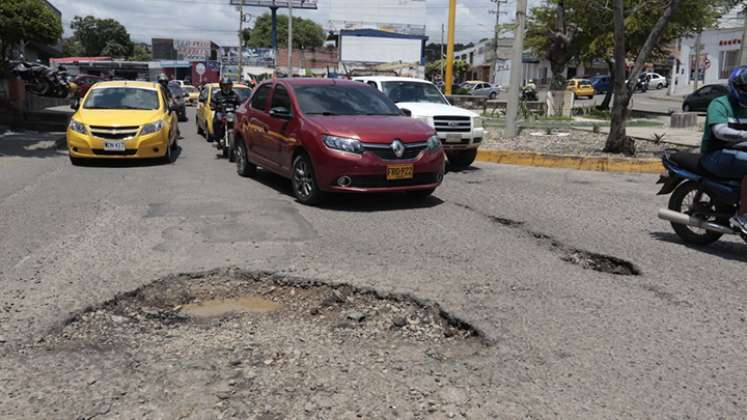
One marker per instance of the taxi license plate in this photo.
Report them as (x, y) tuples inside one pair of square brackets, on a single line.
[(399, 172), (453, 138), (114, 146)]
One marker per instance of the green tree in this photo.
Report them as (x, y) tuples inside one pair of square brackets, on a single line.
[(246, 35), (71, 47), (551, 33), (28, 21), (141, 53), (102, 36), (306, 33), (643, 33), (433, 50), (461, 68)]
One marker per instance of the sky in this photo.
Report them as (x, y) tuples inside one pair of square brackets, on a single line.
[(218, 21)]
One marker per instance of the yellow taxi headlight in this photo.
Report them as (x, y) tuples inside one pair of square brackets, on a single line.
[(77, 127), (151, 128)]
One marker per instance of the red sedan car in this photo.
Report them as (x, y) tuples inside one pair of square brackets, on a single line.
[(85, 81), (335, 136)]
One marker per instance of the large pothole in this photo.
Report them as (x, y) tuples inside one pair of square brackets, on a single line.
[(230, 344), (214, 298)]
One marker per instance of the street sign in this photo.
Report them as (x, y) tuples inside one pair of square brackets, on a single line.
[(297, 4), (200, 69)]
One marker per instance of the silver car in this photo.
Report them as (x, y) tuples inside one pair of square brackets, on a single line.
[(485, 89), (657, 81)]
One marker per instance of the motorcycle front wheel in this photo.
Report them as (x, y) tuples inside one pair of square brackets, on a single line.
[(689, 199), (224, 146)]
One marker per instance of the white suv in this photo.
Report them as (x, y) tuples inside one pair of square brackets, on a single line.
[(460, 130)]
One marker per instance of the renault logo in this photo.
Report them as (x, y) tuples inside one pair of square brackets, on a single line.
[(398, 148)]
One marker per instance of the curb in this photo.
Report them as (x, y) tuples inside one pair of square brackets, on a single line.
[(673, 99), (581, 163)]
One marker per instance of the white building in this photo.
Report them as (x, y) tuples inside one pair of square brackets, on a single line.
[(538, 69), (719, 54)]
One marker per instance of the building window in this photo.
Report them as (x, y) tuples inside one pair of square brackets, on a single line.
[(727, 61)]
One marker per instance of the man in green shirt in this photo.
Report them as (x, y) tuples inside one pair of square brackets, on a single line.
[(724, 145)]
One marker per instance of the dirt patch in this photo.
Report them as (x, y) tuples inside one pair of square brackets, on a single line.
[(231, 344), (565, 142)]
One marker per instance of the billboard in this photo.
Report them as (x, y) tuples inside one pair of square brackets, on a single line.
[(192, 49), (260, 57), (400, 16), (374, 49), (297, 4)]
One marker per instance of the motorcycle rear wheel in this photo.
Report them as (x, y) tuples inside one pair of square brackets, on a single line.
[(683, 200)]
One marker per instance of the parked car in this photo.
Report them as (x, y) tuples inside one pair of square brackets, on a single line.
[(85, 81), (460, 130), (482, 89), (204, 115), (192, 94), (699, 100), (179, 97), (335, 136), (122, 119), (486, 89), (601, 84), (656, 81), (581, 88)]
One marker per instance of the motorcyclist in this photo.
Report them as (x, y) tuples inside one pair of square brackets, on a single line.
[(163, 80), (529, 90), (724, 144), (224, 97)]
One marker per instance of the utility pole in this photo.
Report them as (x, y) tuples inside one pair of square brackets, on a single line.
[(290, 38), (450, 49), (697, 60), (441, 58), (241, 39), (274, 35), (491, 79), (512, 109), (743, 51)]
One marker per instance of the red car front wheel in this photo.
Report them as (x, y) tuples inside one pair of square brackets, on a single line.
[(304, 183)]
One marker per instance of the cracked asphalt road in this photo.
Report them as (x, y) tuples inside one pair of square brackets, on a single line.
[(568, 341)]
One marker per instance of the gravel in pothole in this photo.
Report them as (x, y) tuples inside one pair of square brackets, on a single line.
[(250, 346)]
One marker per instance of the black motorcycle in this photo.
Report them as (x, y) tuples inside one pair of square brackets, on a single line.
[(529, 94), (42, 80), (642, 84), (700, 204), (225, 141)]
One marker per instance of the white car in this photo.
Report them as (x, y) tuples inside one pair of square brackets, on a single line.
[(460, 130), (657, 81)]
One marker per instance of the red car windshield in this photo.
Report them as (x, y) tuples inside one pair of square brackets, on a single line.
[(344, 100)]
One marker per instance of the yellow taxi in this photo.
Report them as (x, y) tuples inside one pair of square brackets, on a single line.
[(204, 117), (581, 88), (192, 94), (122, 119)]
